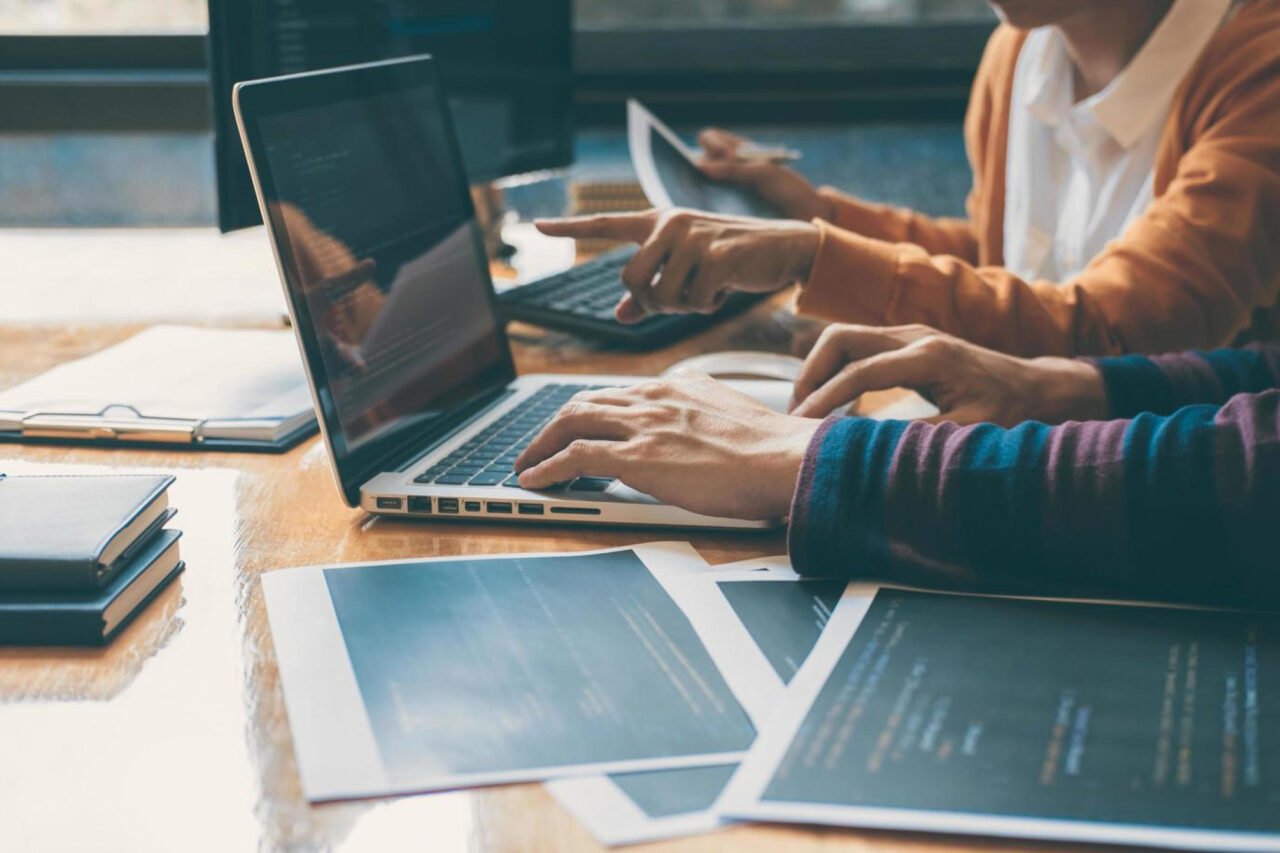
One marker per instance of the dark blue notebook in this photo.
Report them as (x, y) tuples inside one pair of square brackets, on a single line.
[(48, 619), (71, 534)]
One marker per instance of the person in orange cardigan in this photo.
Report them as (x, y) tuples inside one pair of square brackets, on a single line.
[(1126, 197)]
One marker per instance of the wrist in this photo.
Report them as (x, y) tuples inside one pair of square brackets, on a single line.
[(789, 462), (1073, 390), (803, 250)]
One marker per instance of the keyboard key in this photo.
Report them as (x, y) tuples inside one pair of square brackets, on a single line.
[(425, 478), (488, 478), (451, 479)]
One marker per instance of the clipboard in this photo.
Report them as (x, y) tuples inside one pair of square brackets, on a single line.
[(122, 425), (196, 388)]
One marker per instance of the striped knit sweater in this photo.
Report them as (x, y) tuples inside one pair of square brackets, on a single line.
[(1177, 499)]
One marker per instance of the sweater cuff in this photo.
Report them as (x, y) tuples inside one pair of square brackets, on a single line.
[(837, 510), (853, 278), (1134, 384)]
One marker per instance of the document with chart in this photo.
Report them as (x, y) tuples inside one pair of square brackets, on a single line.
[(422, 675), (1071, 721), (760, 620)]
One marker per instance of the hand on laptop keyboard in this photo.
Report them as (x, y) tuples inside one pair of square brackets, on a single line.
[(488, 457)]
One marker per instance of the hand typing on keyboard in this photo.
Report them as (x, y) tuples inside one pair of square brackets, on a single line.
[(689, 441), (488, 457)]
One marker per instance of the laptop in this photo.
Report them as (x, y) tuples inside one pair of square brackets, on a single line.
[(364, 196)]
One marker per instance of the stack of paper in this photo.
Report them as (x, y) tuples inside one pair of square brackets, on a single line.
[(635, 680)]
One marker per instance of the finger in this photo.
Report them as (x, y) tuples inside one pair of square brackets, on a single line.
[(577, 420), (668, 292), (580, 458), (639, 272), (837, 346), (717, 143), (707, 290), (633, 227), (907, 368), (628, 311)]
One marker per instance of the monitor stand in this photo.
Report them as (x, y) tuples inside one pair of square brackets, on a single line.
[(492, 213)]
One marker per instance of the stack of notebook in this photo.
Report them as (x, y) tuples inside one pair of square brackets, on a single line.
[(81, 555)]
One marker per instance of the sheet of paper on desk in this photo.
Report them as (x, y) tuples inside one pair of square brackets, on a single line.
[(667, 171), (423, 675), (1083, 722), (243, 382), (759, 617)]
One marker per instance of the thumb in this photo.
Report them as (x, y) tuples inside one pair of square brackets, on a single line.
[(719, 144), (905, 368), (633, 227)]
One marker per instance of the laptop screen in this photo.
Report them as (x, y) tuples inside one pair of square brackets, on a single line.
[(384, 266)]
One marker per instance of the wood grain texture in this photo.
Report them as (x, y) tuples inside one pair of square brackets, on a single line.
[(175, 737)]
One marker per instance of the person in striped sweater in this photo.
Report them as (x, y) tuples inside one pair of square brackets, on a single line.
[(1129, 476)]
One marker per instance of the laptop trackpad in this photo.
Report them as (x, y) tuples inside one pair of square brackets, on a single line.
[(621, 491)]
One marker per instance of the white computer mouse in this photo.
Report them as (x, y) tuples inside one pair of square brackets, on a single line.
[(769, 377), (742, 364)]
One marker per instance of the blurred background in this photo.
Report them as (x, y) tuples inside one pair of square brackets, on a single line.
[(106, 114)]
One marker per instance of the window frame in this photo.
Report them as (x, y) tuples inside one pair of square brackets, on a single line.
[(789, 72)]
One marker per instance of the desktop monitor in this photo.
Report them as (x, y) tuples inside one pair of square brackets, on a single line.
[(506, 64)]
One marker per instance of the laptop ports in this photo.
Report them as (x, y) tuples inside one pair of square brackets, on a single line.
[(419, 504), (447, 504), (503, 507), (389, 503), (471, 506), (531, 509)]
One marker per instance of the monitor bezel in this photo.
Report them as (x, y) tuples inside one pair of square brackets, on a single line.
[(233, 183), (254, 100)]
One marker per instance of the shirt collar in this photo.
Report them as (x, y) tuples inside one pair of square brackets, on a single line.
[(1141, 93)]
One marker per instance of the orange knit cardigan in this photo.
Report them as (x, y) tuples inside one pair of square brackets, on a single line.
[(1199, 268)]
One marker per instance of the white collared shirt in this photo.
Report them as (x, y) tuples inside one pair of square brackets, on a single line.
[(1078, 173)]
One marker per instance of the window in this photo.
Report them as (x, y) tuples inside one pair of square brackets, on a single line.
[(75, 17)]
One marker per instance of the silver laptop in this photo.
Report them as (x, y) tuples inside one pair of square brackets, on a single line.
[(362, 188)]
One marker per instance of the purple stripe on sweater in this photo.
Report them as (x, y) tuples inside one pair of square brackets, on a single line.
[(1085, 510), (1192, 378)]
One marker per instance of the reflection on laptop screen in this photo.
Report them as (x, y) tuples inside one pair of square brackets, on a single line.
[(370, 203)]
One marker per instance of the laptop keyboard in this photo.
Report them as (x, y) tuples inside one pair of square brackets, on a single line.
[(488, 458)]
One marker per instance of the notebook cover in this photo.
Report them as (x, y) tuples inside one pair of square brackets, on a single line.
[(78, 620), (53, 529)]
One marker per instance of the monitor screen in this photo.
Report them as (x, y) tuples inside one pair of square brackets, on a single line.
[(507, 66), (384, 264)]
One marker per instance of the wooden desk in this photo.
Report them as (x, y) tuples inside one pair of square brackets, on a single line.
[(175, 737)]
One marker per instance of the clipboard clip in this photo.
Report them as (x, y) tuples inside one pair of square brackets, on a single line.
[(103, 426)]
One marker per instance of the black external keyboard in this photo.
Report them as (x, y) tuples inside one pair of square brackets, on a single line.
[(488, 457), (581, 300)]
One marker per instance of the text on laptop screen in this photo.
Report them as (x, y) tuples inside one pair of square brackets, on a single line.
[(366, 194)]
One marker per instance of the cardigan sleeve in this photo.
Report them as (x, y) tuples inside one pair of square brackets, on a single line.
[(1164, 383), (1189, 272), (1179, 507)]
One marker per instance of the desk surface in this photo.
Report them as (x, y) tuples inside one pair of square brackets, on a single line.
[(175, 737)]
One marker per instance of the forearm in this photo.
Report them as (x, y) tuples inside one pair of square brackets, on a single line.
[(938, 235), (1165, 383), (1176, 508)]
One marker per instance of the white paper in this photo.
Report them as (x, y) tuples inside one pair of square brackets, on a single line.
[(336, 749), (609, 814), (743, 797), (242, 383), (668, 173)]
